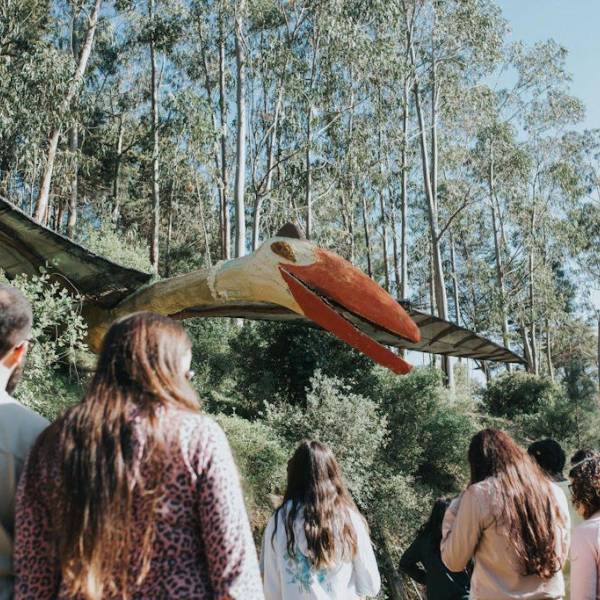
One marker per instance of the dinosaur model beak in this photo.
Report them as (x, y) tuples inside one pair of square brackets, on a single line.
[(338, 297)]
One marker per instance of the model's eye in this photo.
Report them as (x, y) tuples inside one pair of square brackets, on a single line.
[(284, 249)]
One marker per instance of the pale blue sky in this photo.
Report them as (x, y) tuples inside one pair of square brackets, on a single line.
[(575, 25)]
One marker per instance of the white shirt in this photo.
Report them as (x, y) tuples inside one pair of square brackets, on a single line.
[(585, 560), (293, 578)]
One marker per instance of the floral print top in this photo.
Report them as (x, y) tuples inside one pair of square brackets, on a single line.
[(288, 577), (203, 547)]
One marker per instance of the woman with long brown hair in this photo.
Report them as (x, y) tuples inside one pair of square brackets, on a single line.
[(511, 521), (133, 493), (317, 544)]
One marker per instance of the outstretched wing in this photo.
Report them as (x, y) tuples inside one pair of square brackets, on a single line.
[(26, 246)]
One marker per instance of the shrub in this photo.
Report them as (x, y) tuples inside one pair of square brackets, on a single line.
[(518, 393), (121, 246), (51, 381), (276, 361), (262, 458), (348, 423), (429, 433)]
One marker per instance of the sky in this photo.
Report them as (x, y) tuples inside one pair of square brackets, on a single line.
[(574, 25)]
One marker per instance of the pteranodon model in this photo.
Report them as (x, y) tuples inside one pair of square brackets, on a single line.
[(286, 278)]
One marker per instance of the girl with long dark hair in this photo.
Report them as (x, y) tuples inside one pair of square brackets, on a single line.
[(511, 521), (422, 560), (317, 544), (133, 494)]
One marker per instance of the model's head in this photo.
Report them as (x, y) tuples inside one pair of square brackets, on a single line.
[(316, 488), (524, 501), (550, 456), (16, 319), (585, 485)]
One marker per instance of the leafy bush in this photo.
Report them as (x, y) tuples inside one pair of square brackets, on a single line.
[(428, 433), (518, 393), (349, 424), (121, 246), (262, 458), (51, 381), (276, 361)]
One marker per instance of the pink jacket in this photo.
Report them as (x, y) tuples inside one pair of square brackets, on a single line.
[(585, 560), (470, 532)]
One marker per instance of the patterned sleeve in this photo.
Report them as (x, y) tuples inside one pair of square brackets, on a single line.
[(37, 573), (230, 549)]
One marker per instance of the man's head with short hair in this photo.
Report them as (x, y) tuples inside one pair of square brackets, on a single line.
[(16, 319), (549, 456)]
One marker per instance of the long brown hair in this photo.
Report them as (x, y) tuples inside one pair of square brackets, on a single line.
[(138, 373), (524, 500), (315, 487)]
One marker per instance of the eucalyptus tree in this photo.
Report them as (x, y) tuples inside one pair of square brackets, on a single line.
[(81, 61)]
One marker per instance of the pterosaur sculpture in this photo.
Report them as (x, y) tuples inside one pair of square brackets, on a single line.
[(286, 278)]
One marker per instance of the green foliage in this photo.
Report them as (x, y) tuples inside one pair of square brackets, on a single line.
[(123, 247), (428, 431), (276, 361), (538, 408), (349, 424), (262, 458), (51, 381), (518, 393)]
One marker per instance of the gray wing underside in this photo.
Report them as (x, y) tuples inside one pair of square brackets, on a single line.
[(26, 247)]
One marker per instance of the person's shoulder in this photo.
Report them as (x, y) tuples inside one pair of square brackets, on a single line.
[(193, 422), (589, 527), (24, 425)]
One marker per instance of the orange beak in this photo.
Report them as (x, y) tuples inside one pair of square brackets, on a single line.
[(331, 286)]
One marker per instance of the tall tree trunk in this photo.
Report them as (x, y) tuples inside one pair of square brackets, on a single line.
[(225, 217), (429, 178), (41, 208), (367, 235), (549, 364), (384, 235), (116, 200), (532, 324), (404, 196), (74, 191), (154, 240), (240, 171), (308, 189), (396, 255), (498, 255), (169, 233), (457, 315)]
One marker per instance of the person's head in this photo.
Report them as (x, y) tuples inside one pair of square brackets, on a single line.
[(142, 367), (585, 485), (315, 486), (433, 525), (16, 320), (523, 499), (582, 454), (549, 456)]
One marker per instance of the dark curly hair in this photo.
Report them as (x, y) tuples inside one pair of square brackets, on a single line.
[(585, 485)]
